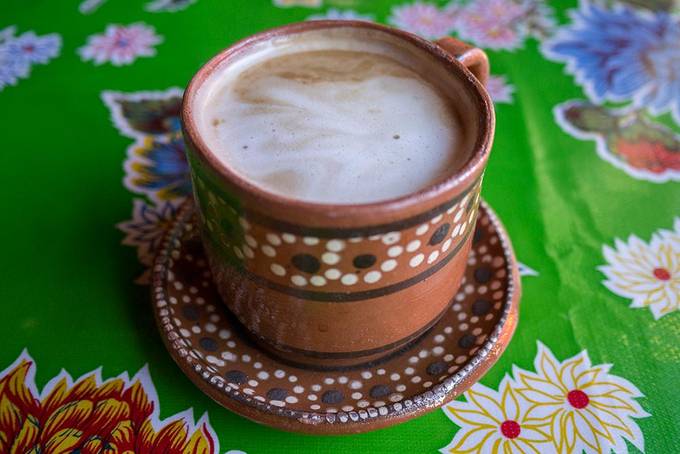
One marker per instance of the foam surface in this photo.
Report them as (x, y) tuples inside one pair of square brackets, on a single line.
[(330, 125)]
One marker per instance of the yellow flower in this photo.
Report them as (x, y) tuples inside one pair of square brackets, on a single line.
[(648, 274), (586, 408), (494, 422), (90, 416)]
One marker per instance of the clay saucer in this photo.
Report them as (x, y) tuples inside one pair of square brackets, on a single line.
[(214, 351)]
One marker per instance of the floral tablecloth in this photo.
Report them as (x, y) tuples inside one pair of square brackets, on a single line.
[(584, 174)]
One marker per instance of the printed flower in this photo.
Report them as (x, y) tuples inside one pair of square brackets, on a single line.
[(623, 54), (18, 53), (495, 24), (90, 415), (121, 45), (494, 421), (672, 236), (147, 227), (499, 89), (643, 148), (585, 407), (158, 6), (304, 3), (157, 166), (90, 6), (33, 48), (425, 19), (337, 14), (648, 274), (140, 114)]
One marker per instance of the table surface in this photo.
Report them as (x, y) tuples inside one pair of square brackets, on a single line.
[(584, 173)]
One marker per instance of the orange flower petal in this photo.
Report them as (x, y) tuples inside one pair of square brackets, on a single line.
[(27, 438), (201, 442), (64, 441), (72, 414), (171, 438)]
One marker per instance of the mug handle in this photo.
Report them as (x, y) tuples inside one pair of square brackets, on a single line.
[(471, 57)]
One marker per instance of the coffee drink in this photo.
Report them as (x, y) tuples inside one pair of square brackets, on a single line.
[(331, 120)]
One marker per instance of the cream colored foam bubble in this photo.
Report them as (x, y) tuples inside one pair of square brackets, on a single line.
[(329, 124)]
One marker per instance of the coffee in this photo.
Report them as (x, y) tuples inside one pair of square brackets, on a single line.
[(332, 121)]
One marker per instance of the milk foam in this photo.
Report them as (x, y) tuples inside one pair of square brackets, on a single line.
[(330, 125)]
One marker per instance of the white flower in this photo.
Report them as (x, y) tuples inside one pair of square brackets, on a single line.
[(585, 407), (499, 90), (425, 19), (494, 421), (121, 45), (648, 274), (672, 236), (304, 3), (336, 14)]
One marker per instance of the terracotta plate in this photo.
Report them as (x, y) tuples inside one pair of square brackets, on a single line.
[(212, 349)]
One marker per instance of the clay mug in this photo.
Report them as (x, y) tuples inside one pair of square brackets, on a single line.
[(338, 286)]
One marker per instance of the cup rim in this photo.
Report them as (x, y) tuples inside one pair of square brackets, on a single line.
[(456, 181)]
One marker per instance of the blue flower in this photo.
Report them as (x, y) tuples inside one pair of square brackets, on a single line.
[(622, 54), (33, 48), (158, 167), (11, 69)]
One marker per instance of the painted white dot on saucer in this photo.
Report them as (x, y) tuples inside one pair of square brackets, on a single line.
[(363, 404), (262, 375), (416, 379), (395, 377), (388, 265), (298, 280), (437, 350), (458, 215), (245, 224), (400, 388), (422, 229), (247, 251), (310, 240), (391, 238), (381, 371), (278, 373), (433, 256), (268, 250), (448, 357), (288, 238), (316, 387), (349, 279), (245, 358), (366, 374), (238, 252), (317, 281), (224, 334), (335, 245), (342, 379), (292, 378), (409, 371), (439, 338), (251, 241), (298, 389), (462, 227), (273, 239), (413, 245), (277, 269), (395, 251), (416, 260), (436, 219), (355, 239), (291, 399), (357, 396), (332, 274), (356, 384), (329, 380), (372, 277), (330, 258)]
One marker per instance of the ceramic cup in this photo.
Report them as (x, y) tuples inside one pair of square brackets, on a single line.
[(332, 286)]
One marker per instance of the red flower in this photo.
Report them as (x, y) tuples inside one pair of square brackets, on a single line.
[(653, 156)]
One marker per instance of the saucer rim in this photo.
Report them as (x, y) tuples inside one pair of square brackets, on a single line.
[(320, 423)]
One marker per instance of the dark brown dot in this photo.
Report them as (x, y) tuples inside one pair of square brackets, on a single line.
[(277, 394), (481, 307), (306, 263), (208, 343), (439, 234), (236, 376), (332, 397), (190, 312), (396, 136), (379, 391), (483, 275), (364, 261), (467, 341), (436, 368)]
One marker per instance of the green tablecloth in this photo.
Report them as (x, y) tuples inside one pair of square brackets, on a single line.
[(584, 174)]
